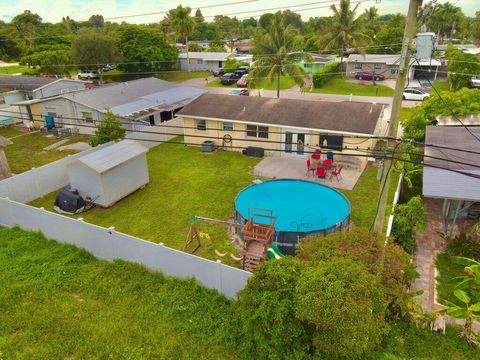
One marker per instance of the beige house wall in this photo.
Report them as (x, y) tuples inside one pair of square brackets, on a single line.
[(241, 140), (381, 68)]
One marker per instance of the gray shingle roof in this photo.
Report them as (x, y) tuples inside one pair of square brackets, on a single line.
[(23, 82), (111, 156), (132, 96), (347, 117), (441, 183), (207, 56)]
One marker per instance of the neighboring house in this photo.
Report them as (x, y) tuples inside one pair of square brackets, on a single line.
[(15, 88), (318, 63), (285, 127), (388, 65), (441, 177), (243, 46), (204, 60), (139, 104)]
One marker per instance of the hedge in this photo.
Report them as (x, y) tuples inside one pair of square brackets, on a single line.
[(326, 74)]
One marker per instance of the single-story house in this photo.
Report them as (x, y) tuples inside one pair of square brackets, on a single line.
[(283, 127), (204, 60), (443, 173), (318, 62), (15, 88), (388, 65), (139, 104)]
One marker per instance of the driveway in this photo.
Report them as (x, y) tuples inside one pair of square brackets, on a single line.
[(295, 93)]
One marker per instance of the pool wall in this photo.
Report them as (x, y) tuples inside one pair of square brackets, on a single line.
[(288, 240)]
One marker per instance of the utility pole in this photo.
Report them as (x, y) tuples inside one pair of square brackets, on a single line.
[(408, 35)]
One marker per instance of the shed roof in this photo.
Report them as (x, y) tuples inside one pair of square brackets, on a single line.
[(345, 117), (442, 183), (111, 156), (206, 55), (390, 60)]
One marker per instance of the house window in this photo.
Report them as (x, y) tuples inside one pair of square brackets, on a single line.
[(377, 67), (334, 142), (257, 131), (165, 116), (307, 65), (227, 126), (358, 66), (201, 125), (87, 116), (394, 70)]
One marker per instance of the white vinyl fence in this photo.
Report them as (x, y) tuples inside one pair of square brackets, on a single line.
[(33, 184), (109, 244), (151, 136)]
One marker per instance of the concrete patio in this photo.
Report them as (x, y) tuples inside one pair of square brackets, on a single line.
[(295, 168)]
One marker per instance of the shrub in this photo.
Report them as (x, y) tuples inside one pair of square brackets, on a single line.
[(233, 64), (466, 245), (390, 262), (109, 129), (344, 305), (408, 218), (326, 74), (266, 310)]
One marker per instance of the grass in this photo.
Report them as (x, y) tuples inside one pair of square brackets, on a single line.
[(440, 85), (448, 271), (26, 150), (285, 83), (342, 86), (18, 69), (59, 302), (172, 76), (183, 182)]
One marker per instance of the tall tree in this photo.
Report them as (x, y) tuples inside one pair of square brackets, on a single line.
[(277, 54), (199, 16), (26, 24), (92, 48), (183, 23), (345, 31), (97, 21)]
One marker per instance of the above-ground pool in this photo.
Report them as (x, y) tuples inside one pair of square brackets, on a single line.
[(301, 208)]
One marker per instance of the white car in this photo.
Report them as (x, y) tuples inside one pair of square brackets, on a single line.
[(414, 94), (475, 82), (89, 75)]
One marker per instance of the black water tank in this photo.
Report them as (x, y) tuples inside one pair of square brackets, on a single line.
[(254, 151)]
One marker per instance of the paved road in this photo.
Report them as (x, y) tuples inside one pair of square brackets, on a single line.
[(295, 93)]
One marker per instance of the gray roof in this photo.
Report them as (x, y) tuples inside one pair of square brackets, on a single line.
[(375, 58), (134, 96), (23, 82), (111, 156), (442, 183), (206, 55), (344, 117)]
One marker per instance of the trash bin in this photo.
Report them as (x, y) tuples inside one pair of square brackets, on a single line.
[(208, 146)]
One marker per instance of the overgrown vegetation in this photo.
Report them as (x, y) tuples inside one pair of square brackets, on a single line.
[(408, 218), (461, 67), (326, 74)]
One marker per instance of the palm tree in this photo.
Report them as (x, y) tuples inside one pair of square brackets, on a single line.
[(183, 23), (345, 31), (275, 54)]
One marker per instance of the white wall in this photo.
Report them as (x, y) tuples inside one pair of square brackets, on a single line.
[(109, 244), (58, 87), (154, 135)]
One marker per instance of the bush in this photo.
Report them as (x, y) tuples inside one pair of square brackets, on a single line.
[(466, 245), (109, 129), (326, 74), (389, 262), (266, 308), (233, 64), (408, 218), (344, 305)]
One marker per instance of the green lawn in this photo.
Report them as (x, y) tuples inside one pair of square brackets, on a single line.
[(172, 76), (447, 272), (183, 182), (440, 85), (285, 83), (18, 69), (27, 149), (340, 85), (59, 302)]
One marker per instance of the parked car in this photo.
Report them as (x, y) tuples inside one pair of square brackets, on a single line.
[(240, 72), (218, 72), (368, 75), (475, 82), (243, 82), (240, 92), (414, 94), (244, 69), (89, 74), (108, 67), (230, 78)]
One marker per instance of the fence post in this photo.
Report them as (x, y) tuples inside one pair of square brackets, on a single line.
[(218, 283)]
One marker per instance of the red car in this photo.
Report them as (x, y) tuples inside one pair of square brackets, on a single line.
[(243, 81), (368, 75)]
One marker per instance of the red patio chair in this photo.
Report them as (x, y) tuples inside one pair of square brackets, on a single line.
[(310, 168), (317, 154), (321, 172), (327, 163), (337, 173)]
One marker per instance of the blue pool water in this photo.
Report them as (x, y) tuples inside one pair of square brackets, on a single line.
[(301, 207)]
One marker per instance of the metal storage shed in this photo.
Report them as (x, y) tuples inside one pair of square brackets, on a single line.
[(111, 173)]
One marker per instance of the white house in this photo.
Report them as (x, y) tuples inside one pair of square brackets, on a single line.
[(204, 60)]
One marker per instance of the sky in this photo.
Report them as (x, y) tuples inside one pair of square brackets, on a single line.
[(54, 10)]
